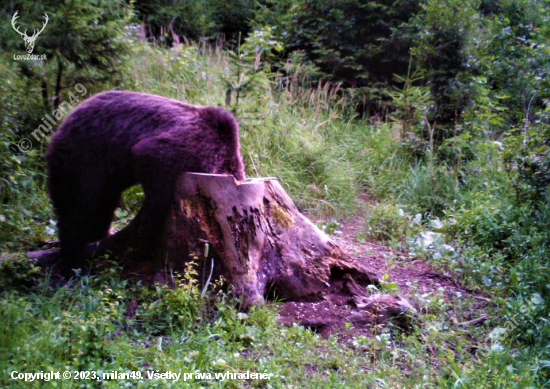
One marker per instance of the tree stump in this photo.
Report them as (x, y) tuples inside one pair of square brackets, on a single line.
[(258, 240)]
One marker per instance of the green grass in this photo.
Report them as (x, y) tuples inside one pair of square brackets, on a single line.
[(89, 325)]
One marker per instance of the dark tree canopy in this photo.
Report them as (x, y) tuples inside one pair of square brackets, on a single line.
[(357, 42), (195, 19)]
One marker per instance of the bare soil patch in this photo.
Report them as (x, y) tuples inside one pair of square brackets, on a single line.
[(348, 318)]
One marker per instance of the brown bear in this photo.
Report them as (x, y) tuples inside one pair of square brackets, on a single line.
[(115, 140)]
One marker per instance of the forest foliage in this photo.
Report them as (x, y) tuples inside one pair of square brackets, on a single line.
[(437, 111)]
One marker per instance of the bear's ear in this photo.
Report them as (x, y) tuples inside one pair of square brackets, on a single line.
[(223, 121)]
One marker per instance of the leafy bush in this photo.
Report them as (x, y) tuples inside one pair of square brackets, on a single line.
[(24, 206), (175, 309), (388, 223), (430, 190), (18, 273), (512, 55)]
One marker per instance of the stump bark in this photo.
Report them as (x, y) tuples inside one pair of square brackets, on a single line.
[(258, 240)]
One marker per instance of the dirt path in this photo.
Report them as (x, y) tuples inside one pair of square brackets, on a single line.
[(414, 277), (404, 270)]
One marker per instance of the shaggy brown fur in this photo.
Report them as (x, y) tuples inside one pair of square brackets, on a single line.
[(115, 140)]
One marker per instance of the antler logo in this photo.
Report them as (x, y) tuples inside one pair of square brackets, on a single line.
[(29, 40)]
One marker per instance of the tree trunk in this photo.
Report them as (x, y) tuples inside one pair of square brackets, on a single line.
[(57, 98)]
